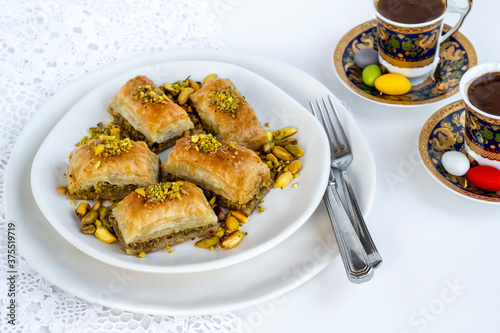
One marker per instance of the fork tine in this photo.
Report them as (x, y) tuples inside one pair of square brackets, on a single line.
[(339, 127), (319, 116), (325, 113)]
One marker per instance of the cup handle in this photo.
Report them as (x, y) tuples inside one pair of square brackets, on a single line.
[(463, 11)]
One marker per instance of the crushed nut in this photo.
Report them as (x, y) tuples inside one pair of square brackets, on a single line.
[(150, 95), (162, 191), (225, 99)]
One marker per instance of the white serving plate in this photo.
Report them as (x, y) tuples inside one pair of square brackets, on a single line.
[(270, 275), (286, 209)]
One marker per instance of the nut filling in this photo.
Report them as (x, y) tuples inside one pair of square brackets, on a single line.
[(104, 191), (162, 242), (247, 207)]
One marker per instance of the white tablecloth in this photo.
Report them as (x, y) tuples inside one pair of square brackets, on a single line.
[(440, 271)]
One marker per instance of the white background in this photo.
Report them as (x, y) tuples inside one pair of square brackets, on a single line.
[(440, 272), (440, 250)]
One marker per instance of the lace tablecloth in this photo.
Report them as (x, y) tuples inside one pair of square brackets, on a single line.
[(44, 46)]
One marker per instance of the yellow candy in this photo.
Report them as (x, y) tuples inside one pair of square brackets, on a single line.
[(392, 84)]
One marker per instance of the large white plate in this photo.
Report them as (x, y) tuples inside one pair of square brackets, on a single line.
[(279, 270), (286, 209)]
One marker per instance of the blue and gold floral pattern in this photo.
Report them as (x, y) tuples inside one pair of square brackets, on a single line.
[(457, 56), (408, 49), (444, 131), (482, 134)]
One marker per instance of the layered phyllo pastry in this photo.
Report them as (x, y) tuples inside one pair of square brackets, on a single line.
[(225, 112), (110, 169), (145, 113), (161, 215), (235, 174)]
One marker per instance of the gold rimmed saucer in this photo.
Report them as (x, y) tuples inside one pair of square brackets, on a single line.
[(457, 56), (444, 131)]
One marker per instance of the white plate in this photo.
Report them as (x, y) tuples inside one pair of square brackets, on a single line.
[(286, 209), (279, 270)]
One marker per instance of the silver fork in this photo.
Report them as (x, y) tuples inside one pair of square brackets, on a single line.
[(354, 257), (344, 157)]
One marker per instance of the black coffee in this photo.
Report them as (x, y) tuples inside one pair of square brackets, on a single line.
[(484, 93), (411, 11)]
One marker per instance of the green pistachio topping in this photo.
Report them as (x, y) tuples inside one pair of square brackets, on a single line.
[(206, 143), (162, 191), (149, 95), (225, 99), (96, 132), (109, 146)]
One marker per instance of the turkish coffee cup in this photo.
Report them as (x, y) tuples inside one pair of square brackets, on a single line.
[(410, 33)]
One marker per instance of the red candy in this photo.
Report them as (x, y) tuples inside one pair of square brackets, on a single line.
[(485, 177)]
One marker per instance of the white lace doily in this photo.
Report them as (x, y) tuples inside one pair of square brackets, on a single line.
[(44, 45)]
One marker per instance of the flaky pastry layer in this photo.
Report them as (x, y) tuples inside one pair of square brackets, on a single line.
[(158, 122), (235, 174), (244, 128), (139, 166), (139, 220)]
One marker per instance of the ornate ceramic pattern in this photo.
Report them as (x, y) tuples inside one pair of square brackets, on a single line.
[(482, 135), (444, 131), (408, 50), (457, 56)]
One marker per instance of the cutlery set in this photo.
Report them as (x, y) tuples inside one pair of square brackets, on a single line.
[(357, 249)]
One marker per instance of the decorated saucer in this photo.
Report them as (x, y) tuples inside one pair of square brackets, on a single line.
[(444, 131), (457, 56)]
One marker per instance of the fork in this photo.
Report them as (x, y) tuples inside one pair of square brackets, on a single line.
[(354, 257), (343, 157)]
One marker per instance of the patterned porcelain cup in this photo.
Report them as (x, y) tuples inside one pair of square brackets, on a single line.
[(482, 129), (410, 49)]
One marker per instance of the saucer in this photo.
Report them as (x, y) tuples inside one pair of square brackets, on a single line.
[(444, 131), (457, 56)]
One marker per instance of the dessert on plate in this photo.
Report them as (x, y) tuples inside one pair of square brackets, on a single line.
[(145, 113), (235, 174), (110, 169), (225, 112), (161, 215)]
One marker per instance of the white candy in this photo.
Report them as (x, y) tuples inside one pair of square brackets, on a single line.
[(455, 163)]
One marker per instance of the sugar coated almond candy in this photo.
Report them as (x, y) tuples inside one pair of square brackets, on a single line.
[(485, 177), (393, 84), (370, 74), (365, 57)]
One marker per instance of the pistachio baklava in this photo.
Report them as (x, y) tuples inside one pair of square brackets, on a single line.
[(224, 112), (161, 215), (235, 174), (110, 169), (145, 113)]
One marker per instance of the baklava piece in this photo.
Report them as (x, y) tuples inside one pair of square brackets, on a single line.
[(235, 174), (110, 169), (162, 215), (145, 113), (225, 113)]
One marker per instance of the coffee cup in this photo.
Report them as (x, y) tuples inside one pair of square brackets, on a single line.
[(410, 33), (480, 90)]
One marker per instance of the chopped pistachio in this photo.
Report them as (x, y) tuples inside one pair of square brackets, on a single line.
[(96, 132), (61, 189), (225, 99), (206, 143), (111, 147), (163, 191), (149, 94)]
